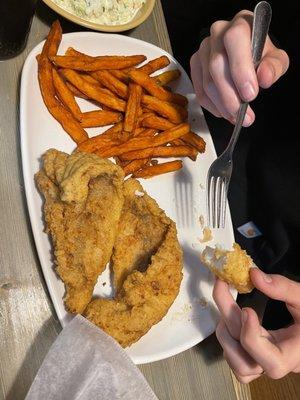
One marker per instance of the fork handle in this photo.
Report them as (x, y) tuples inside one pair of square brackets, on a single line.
[(261, 22)]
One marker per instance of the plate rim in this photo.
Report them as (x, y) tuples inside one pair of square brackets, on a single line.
[(28, 188)]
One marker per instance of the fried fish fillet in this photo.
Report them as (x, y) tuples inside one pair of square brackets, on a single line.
[(144, 296), (142, 229), (83, 202), (232, 266)]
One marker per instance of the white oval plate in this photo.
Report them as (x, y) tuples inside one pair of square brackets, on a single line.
[(193, 316)]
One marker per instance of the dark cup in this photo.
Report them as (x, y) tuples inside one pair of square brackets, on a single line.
[(15, 22)]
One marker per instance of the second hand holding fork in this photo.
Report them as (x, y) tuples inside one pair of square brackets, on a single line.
[(219, 173)]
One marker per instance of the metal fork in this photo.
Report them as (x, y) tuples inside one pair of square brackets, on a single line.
[(219, 173)]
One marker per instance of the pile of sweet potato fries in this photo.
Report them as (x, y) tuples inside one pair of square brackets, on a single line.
[(148, 120)]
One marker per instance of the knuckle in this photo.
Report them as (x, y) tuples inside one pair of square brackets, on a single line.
[(243, 13), (285, 63), (246, 341), (215, 65), (216, 27), (276, 372), (231, 34), (203, 44)]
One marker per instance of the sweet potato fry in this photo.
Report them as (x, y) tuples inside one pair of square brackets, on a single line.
[(155, 122), (156, 90), (164, 108), (160, 123), (154, 65), (96, 118), (58, 111), (145, 142), (97, 143), (153, 170), (97, 63), (53, 40), (106, 139), (112, 83), (160, 151), (166, 77), (121, 74), (65, 95), (75, 91), (135, 165), (94, 92), (132, 107), (194, 140), (142, 132)]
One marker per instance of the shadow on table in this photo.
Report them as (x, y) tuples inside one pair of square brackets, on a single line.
[(33, 359)]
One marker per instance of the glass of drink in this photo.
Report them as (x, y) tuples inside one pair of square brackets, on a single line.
[(16, 17)]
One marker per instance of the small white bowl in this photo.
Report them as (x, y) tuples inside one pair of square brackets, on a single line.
[(140, 17)]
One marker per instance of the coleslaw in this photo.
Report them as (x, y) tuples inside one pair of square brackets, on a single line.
[(108, 12)]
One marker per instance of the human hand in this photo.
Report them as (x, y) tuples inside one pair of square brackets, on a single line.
[(249, 349), (222, 70)]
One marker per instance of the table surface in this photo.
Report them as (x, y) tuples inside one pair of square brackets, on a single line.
[(28, 323)]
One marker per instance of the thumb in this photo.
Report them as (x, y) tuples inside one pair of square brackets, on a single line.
[(278, 287)]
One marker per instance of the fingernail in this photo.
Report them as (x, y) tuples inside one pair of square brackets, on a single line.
[(247, 91), (266, 277), (244, 315), (247, 121)]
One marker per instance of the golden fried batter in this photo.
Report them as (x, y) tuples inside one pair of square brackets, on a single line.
[(232, 266), (144, 297), (142, 228), (83, 202)]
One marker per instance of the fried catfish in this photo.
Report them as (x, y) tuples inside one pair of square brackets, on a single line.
[(83, 203)]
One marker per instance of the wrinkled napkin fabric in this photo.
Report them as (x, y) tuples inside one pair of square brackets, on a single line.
[(84, 363)]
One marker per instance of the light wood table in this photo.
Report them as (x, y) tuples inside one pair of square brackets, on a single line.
[(28, 323)]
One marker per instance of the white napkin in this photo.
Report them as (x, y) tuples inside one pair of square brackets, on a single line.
[(84, 363)]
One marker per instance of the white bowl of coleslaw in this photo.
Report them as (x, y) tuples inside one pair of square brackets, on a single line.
[(104, 15)]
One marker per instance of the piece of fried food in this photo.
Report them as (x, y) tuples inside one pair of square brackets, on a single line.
[(142, 229), (83, 202), (146, 235), (232, 266)]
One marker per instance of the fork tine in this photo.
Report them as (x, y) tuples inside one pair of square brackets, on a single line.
[(219, 202), (214, 208), (208, 199), (224, 201)]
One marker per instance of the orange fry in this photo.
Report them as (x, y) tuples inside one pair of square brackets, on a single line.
[(164, 108), (132, 107), (97, 63), (142, 132), (65, 95), (135, 165), (153, 170), (100, 118), (155, 122), (53, 40), (58, 111), (160, 123), (194, 140), (112, 83), (166, 77), (160, 151), (156, 90), (144, 142), (121, 74), (94, 92), (154, 65), (75, 91), (106, 139)]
